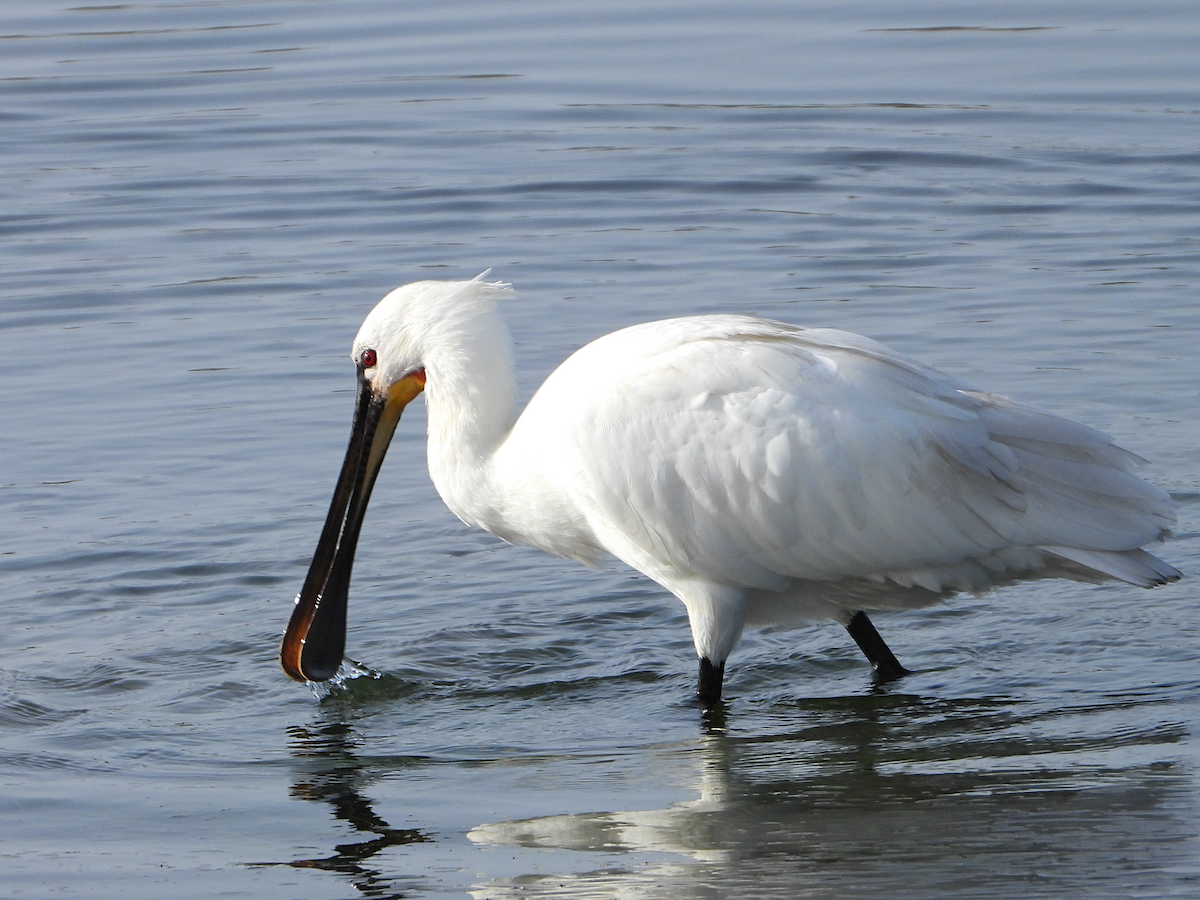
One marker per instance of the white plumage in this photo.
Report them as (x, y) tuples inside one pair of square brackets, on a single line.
[(757, 470)]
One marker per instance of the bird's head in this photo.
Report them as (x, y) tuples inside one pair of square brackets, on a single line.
[(389, 355)]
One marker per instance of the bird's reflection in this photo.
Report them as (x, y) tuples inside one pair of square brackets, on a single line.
[(726, 778), (857, 786), (332, 773), (882, 787)]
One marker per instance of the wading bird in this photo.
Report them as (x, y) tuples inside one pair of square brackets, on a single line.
[(760, 472)]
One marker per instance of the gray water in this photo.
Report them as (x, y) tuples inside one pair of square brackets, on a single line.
[(200, 202)]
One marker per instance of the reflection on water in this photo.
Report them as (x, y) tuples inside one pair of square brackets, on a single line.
[(978, 796), (333, 774), (882, 791)]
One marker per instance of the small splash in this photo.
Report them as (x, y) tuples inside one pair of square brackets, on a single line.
[(347, 672)]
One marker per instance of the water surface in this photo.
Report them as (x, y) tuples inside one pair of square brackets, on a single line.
[(202, 200)]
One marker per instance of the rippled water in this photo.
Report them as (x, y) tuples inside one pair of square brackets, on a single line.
[(202, 200)]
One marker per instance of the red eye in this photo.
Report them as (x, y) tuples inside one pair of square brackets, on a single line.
[(368, 359)]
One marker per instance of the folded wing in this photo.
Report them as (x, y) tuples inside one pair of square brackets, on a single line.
[(752, 453)]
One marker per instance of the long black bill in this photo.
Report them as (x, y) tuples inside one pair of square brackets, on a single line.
[(315, 640)]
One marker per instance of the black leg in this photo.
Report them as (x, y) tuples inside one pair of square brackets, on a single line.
[(708, 688), (886, 665)]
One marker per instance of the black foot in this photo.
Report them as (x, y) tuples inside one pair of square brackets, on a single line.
[(708, 687), (887, 667)]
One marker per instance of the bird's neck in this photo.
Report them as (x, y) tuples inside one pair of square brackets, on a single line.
[(471, 396)]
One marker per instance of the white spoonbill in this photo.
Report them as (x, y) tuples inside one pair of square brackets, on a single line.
[(760, 472)]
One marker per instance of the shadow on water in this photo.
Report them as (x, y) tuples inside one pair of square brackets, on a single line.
[(333, 773)]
